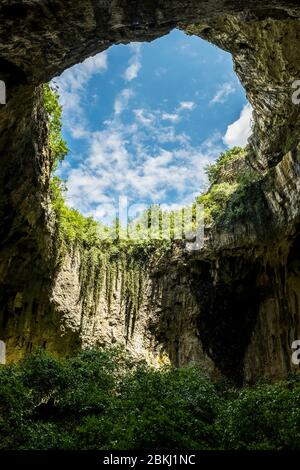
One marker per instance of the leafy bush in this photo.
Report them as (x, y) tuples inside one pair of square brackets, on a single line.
[(167, 408), (58, 146), (215, 200), (105, 399), (246, 196), (263, 417), (230, 188), (214, 171)]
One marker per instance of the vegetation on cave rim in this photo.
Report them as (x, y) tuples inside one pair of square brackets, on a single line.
[(221, 168), (105, 399), (58, 146), (230, 179)]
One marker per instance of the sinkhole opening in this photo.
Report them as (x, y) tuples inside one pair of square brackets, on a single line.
[(151, 125)]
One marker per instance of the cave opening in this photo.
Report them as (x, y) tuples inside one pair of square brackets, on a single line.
[(143, 122)]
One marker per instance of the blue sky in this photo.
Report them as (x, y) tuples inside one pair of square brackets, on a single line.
[(143, 120)]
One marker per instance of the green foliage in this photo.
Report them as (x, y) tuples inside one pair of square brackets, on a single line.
[(265, 417), (53, 109), (170, 408), (105, 399), (248, 177), (164, 226), (234, 197), (215, 200), (246, 196), (214, 171), (74, 227)]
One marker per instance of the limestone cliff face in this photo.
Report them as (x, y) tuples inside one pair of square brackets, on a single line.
[(151, 312), (233, 306), (26, 244)]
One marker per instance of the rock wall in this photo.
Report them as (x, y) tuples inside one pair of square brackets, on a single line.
[(153, 315), (234, 306), (26, 243)]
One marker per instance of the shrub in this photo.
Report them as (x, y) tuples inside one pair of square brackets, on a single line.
[(105, 399), (169, 408), (263, 417), (214, 171), (215, 201), (232, 199), (58, 146)]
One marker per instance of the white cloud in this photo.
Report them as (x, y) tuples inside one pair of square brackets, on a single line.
[(147, 118), (122, 100), (169, 135), (188, 105), (71, 85), (222, 94), (135, 65), (170, 117), (121, 162), (144, 117), (132, 71), (77, 77), (238, 133)]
